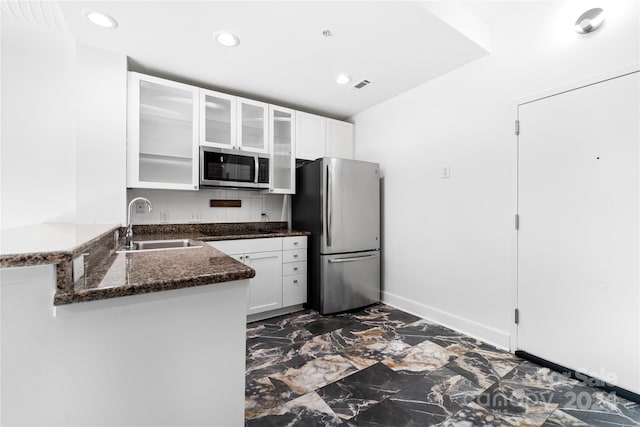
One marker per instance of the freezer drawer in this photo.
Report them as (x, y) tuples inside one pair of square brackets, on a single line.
[(349, 281)]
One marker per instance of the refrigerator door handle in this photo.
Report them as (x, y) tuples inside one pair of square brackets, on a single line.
[(328, 205), (358, 258)]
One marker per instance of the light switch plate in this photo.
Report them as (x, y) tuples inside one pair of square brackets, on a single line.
[(164, 217)]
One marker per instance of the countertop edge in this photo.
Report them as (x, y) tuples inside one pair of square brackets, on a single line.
[(146, 288)]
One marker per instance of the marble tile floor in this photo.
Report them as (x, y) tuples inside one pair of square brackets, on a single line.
[(380, 366)]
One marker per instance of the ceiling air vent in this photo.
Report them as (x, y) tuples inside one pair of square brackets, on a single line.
[(362, 84)]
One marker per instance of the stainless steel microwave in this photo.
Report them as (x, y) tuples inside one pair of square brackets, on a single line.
[(232, 168)]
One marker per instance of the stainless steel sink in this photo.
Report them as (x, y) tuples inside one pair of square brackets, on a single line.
[(159, 245)]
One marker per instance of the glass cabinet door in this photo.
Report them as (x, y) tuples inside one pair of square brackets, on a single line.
[(217, 119), (162, 144), (282, 144), (252, 125)]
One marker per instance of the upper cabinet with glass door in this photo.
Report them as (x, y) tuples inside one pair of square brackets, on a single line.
[(217, 119), (162, 134), (253, 129), (283, 148)]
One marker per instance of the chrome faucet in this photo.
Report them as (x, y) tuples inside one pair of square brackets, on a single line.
[(129, 235)]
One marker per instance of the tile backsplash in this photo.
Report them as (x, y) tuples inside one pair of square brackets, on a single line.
[(181, 207)]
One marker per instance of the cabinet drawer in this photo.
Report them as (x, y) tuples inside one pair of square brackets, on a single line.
[(291, 268), (247, 246), (298, 242), (294, 290), (294, 255)]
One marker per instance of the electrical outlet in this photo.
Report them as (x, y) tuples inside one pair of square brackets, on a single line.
[(164, 217), (196, 217), (445, 171), (78, 267)]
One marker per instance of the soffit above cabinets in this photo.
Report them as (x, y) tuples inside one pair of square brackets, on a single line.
[(283, 56)]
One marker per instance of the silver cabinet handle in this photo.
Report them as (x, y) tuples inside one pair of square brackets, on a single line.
[(359, 258)]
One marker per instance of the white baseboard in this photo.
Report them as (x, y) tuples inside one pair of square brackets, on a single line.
[(477, 330)]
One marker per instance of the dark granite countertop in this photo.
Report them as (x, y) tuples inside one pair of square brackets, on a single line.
[(123, 274), (109, 274)]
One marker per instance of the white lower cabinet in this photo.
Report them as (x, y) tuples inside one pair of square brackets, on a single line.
[(294, 271), (281, 270), (264, 291)]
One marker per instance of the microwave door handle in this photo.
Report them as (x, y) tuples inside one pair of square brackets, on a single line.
[(256, 171)]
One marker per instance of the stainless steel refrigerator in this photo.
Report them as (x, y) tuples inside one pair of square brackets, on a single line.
[(338, 201)]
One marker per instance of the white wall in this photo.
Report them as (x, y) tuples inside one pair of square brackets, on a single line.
[(63, 129), (182, 206), (101, 88), (449, 244), (38, 125)]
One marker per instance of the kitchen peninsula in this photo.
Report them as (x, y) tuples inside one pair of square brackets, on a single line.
[(130, 355)]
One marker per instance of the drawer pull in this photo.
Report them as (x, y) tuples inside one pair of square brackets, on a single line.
[(295, 243), (295, 281), (295, 268), (295, 255)]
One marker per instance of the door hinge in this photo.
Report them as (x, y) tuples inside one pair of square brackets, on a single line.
[(517, 222), (517, 316), (517, 127)]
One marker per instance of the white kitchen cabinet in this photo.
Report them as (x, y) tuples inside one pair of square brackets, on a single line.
[(339, 139), (318, 136), (282, 147), (281, 270), (218, 122), (252, 125), (310, 135), (162, 134), (265, 257), (294, 271), (265, 290)]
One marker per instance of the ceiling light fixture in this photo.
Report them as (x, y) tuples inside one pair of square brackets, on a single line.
[(227, 39), (343, 79), (101, 20), (589, 21)]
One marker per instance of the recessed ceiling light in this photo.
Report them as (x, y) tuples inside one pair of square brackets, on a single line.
[(589, 21), (226, 39), (101, 20), (343, 79)]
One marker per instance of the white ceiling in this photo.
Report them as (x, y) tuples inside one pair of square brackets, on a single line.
[(283, 57)]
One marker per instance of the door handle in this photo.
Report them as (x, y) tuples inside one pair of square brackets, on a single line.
[(358, 258), (255, 171), (328, 205)]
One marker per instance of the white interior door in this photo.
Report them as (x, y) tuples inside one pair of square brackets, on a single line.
[(578, 243)]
